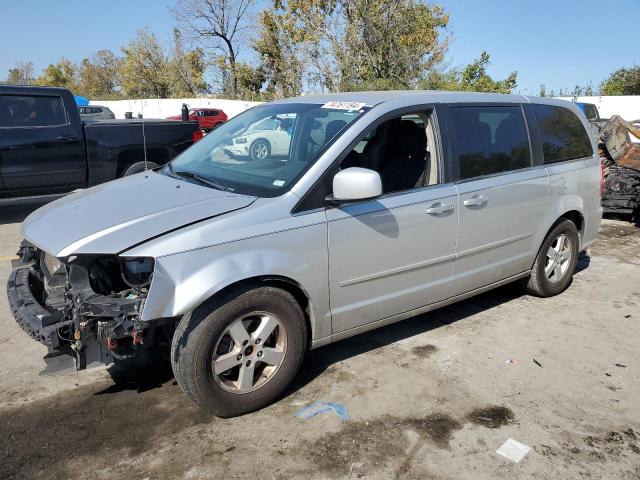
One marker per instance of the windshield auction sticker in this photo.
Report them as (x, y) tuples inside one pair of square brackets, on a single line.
[(344, 105)]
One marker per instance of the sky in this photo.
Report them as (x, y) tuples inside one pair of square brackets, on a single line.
[(558, 43)]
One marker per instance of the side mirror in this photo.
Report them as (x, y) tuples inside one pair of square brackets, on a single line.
[(355, 183)]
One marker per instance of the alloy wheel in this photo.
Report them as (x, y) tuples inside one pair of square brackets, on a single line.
[(249, 352)]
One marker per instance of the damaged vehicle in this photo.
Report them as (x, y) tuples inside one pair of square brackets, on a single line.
[(384, 205)]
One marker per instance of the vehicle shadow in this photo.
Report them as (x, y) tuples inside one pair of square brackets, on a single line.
[(319, 360)]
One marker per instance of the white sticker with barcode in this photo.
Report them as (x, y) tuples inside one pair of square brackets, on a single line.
[(344, 105)]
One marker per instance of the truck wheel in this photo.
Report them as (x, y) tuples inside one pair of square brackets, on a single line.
[(260, 149), (237, 353), (137, 168), (556, 261)]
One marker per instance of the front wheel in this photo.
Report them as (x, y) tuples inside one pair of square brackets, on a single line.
[(556, 261), (238, 353), (260, 149)]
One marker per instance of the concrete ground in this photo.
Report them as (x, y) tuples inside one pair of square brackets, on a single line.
[(433, 397)]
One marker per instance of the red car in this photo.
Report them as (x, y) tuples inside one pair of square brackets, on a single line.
[(208, 118)]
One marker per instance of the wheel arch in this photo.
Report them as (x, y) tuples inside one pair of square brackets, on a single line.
[(287, 284), (574, 216)]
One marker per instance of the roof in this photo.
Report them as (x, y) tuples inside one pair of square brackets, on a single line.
[(417, 97)]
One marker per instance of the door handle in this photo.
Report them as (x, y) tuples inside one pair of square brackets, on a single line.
[(440, 208), (476, 201), (67, 138)]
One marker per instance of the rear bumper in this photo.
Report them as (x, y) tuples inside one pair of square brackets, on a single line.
[(41, 324)]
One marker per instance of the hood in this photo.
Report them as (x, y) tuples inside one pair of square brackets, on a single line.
[(114, 216)]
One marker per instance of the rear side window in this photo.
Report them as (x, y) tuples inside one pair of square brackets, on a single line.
[(32, 111), (563, 135), (489, 139)]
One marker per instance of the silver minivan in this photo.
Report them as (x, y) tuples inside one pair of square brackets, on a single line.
[(382, 206)]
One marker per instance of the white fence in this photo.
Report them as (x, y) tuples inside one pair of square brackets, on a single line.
[(166, 107), (628, 107)]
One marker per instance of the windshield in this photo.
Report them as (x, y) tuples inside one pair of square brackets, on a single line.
[(264, 150)]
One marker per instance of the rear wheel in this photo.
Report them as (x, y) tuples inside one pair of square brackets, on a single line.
[(556, 261), (137, 168), (235, 354)]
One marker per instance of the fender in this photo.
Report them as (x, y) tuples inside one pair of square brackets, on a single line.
[(183, 281)]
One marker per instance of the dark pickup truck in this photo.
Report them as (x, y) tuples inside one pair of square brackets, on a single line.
[(45, 149)]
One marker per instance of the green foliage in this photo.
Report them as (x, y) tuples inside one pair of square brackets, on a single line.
[(277, 48), (473, 78), (99, 76), (338, 45), (187, 68), (625, 81), (61, 74), (145, 68)]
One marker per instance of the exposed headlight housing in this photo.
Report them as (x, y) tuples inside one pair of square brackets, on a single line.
[(137, 271), (240, 140)]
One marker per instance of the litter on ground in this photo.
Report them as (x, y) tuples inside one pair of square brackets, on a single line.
[(513, 450)]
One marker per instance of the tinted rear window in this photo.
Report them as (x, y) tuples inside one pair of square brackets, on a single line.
[(32, 111), (563, 135), (489, 139)]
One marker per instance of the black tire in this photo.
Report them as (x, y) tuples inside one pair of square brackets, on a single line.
[(538, 284), (197, 335), (137, 168), (258, 147)]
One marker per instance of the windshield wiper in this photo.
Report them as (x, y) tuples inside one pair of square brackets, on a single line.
[(202, 180)]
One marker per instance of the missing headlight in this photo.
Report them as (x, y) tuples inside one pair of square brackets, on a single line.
[(137, 272)]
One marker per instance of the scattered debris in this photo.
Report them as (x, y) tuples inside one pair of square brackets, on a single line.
[(620, 365), (513, 450), (616, 137), (620, 158), (537, 363), (512, 361), (317, 408)]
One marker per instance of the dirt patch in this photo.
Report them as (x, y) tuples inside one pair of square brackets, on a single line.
[(620, 240), (123, 419), (613, 444), (376, 442), (424, 351), (491, 417)]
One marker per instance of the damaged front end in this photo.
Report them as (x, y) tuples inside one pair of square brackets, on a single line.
[(87, 306)]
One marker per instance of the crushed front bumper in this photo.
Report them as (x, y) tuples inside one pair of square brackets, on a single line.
[(41, 324), (62, 311)]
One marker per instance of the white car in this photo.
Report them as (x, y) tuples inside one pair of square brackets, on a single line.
[(270, 137)]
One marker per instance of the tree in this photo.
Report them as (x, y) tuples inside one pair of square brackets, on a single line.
[(99, 75), (281, 63), (220, 25), (187, 70), (473, 77), (625, 81), (352, 44), (21, 74), (543, 91), (145, 68), (61, 74)]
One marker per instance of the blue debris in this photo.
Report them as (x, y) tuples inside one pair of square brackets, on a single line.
[(317, 408)]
